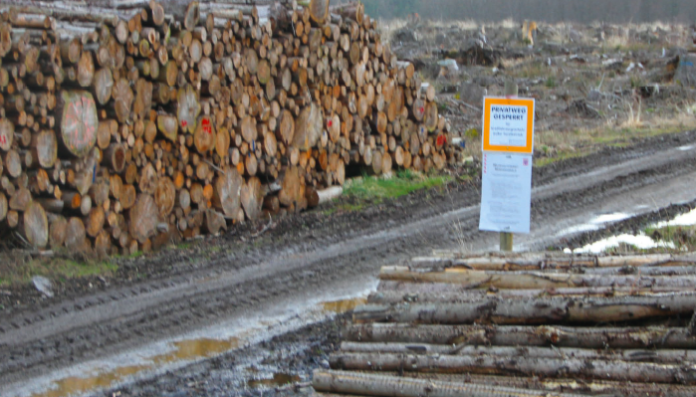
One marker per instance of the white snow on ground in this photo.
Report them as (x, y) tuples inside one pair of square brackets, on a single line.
[(688, 219), (641, 242)]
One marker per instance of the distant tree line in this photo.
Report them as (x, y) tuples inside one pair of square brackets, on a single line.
[(584, 11)]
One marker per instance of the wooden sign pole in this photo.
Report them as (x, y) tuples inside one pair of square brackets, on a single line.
[(511, 91)]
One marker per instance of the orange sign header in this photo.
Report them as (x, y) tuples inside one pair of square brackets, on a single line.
[(508, 125)]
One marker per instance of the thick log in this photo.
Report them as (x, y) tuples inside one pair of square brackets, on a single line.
[(227, 192), (57, 231), (75, 235), (7, 131), (114, 157), (13, 164), (660, 356), (204, 135), (143, 218), (168, 126), (44, 148), (188, 109), (535, 280), (77, 122), (20, 200), (561, 336), (309, 126), (614, 370), (290, 192), (396, 292), (123, 99), (214, 222), (540, 261), (34, 225), (165, 196), (381, 385), (252, 198), (95, 221), (592, 388)]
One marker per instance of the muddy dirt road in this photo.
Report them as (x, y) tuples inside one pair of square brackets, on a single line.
[(296, 262)]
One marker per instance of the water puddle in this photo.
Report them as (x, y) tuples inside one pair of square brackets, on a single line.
[(640, 242), (687, 219), (342, 306), (110, 372), (595, 223), (76, 385), (278, 379), (184, 350), (194, 349)]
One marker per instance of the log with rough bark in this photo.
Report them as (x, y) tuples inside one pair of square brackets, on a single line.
[(562, 336), (398, 292), (533, 310), (541, 261), (362, 384), (614, 370), (534, 280)]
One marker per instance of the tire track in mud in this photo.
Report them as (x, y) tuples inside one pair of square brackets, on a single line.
[(123, 317)]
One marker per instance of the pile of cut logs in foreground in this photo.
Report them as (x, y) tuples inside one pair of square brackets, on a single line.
[(523, 325), (122, 125)]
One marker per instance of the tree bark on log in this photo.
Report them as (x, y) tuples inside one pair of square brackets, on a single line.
[(389, 292), (660, 356), (561, 336), (535, 280), (381, 385), (534, 310), (548, 367)]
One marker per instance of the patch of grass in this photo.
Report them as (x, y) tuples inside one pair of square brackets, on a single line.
[(402, 183), (683, 237), (55, 269), (560, 156)]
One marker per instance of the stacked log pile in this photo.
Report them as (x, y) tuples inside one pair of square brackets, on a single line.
[(122, 125), (523, 325)]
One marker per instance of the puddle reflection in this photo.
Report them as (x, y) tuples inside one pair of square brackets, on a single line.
[(183, 351)]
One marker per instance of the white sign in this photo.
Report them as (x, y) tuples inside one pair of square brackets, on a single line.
[(506, 192), (508, 125)]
